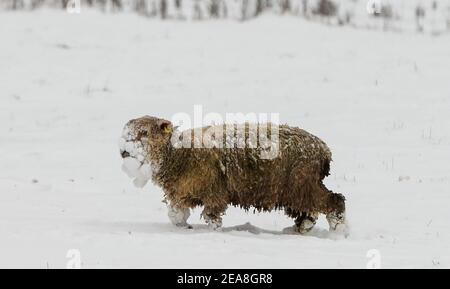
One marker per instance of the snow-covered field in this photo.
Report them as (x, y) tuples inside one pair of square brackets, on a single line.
[(68, 83)]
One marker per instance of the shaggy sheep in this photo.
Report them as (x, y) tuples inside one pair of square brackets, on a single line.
[(215, 177)]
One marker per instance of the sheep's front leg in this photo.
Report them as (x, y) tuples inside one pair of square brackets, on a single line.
[(178, 215), (213, 216)]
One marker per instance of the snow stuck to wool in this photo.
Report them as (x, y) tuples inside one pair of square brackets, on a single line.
[(135, 165)]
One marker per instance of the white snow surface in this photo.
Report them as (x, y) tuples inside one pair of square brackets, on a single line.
[(70, 82)]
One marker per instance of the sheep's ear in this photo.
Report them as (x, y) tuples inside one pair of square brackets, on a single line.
[(165, 126)]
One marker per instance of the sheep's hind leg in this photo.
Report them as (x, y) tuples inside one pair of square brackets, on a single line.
[(178, 215), (335, 213), (305, 222), (213, 217)]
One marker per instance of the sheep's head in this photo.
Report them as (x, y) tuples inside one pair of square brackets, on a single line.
[(141, 145)]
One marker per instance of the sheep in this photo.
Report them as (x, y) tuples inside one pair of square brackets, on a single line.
[(215, 177)]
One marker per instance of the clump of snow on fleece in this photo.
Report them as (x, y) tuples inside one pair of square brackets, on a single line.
[(70, 82), (135, 166)]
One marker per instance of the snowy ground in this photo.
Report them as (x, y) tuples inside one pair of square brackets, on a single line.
[(68, 83)]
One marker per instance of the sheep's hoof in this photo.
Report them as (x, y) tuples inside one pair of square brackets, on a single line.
[(305, 223), (215, 225), (305, 226), (218, 229), (185, 226)]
